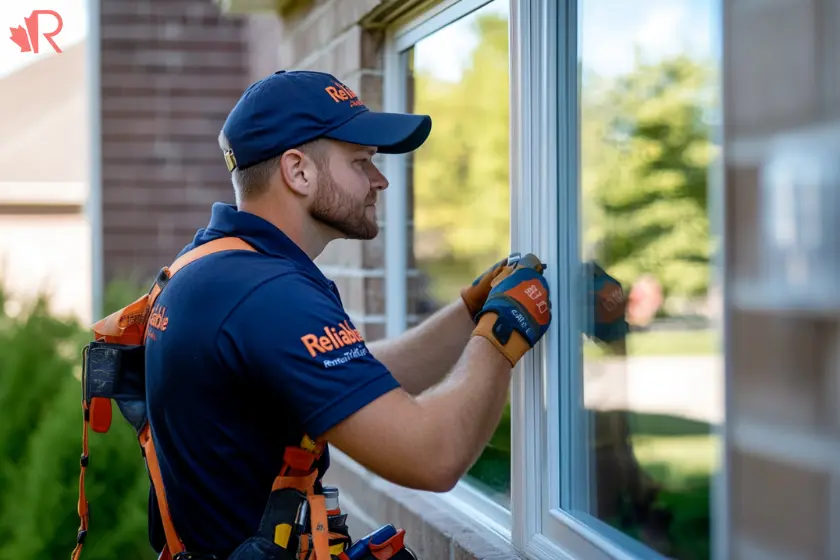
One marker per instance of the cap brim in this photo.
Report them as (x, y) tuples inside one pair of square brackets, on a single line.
[(391, 133)]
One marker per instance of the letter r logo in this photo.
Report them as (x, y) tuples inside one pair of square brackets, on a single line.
[(27, 38)]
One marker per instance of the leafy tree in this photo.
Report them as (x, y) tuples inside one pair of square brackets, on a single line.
[(646, 152), (40, 446), (645, 156), (461, 175), (462, 191)]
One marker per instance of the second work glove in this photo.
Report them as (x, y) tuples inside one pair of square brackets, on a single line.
[(517, 312), (476, 293)]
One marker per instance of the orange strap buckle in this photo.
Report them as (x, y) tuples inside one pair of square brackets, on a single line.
[(389, 548), (298, 459)]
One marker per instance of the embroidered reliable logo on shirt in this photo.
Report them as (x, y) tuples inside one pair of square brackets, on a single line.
[(335, 338), (158, 322)]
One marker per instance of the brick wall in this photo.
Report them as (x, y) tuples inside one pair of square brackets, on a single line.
[(171, 71), (780, 77)]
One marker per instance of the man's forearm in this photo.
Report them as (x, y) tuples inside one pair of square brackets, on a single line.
[(461, 414), (423, 355), (430, 440)]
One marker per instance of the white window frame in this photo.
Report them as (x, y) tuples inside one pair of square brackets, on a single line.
[(544, 129), (546, 420), (550, 457)]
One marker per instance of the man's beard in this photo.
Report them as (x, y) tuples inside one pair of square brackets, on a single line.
[(340, 211)]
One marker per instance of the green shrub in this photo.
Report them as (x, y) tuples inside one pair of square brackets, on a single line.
[(41, 443)]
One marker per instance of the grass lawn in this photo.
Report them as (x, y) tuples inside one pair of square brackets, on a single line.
[(670, 343), (665, 343), (685, 456)]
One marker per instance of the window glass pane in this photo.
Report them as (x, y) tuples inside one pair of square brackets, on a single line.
[(651, 363), (459, 181)]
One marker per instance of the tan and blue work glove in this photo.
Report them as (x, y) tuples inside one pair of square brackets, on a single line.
[(609, 305), (517, 312), (476, 293)]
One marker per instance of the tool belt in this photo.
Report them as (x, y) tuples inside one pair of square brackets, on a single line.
[(300, 521)]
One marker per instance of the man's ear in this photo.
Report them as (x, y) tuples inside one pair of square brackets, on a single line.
[(299, 172)]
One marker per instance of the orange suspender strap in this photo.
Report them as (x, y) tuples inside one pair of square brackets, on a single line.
[(128, 326), (319, 526), (118, 324), (318, 522), (173, 541), (82, 506), (221, 244)]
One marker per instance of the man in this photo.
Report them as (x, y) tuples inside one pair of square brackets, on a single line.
[(253, 349)]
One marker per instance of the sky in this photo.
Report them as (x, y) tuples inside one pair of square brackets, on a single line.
[(72, 12)]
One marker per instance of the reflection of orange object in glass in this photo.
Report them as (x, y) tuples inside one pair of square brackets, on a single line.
[(611, 303), (644, 300)]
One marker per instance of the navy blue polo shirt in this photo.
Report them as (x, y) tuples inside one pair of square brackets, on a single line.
[(250, 351)]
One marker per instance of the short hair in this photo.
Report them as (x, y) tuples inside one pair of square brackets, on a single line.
[(253, 181)]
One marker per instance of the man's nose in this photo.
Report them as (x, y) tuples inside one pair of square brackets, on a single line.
[(378, 181)]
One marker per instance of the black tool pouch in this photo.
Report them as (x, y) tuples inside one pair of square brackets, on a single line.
[(285, 506), (339, 532), (115, 372), (260, 548)]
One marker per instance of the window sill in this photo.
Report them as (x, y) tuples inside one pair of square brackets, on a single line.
[(438, 526)]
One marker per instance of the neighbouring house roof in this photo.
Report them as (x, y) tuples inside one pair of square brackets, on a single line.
[(44, 130)]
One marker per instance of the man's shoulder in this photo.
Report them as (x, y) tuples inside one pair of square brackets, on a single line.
[(283, 293), (250, 269), (245, 289), (287, 282)]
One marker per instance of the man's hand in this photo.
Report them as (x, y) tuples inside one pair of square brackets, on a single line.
[(476, 293), (517, 312)]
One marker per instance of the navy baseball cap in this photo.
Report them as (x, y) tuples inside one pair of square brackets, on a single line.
[(289, 108)]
